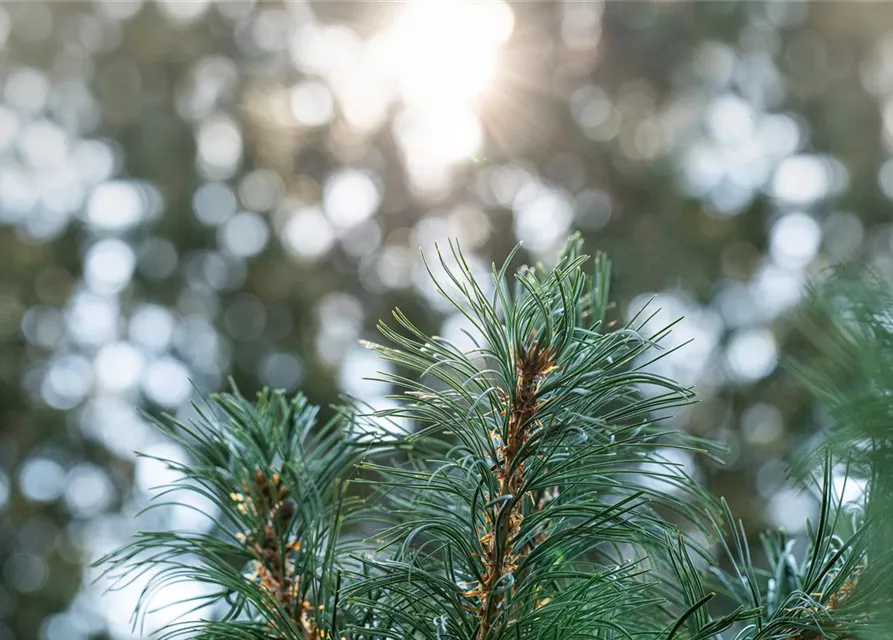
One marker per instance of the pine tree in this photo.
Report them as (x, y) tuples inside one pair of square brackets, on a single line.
[(520, 490)]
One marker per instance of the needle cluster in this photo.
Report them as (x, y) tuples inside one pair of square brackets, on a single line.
[(522, 488)]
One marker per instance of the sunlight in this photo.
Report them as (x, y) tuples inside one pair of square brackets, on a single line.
[(436, 59), (441, 56), (447, 50)]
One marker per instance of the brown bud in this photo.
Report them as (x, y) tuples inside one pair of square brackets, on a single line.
[(287, 510)]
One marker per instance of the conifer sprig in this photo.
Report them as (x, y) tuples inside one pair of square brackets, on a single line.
[(839, 585), (550, 467), (521, 489), (848, 322), (274, 553)]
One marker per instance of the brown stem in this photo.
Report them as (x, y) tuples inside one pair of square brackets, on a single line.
[(498, 552), (273, 557)]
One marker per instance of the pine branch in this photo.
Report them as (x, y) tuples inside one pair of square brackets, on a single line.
[(275, 477), (520, 490), (547, 462), (841, 585)]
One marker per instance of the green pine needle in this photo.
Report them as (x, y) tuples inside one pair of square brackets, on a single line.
[(520, 490)]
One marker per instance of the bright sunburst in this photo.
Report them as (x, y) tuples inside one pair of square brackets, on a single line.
[(442, 55), (448, 49)]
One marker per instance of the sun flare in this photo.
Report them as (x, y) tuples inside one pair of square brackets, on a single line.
[(444, 55), (448, 49)]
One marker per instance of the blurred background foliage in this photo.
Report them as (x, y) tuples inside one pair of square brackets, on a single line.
[(197, 189)]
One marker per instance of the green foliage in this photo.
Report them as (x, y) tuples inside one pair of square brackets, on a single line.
[(548, 470), (274, 475), (519, 490), (849, 322)]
